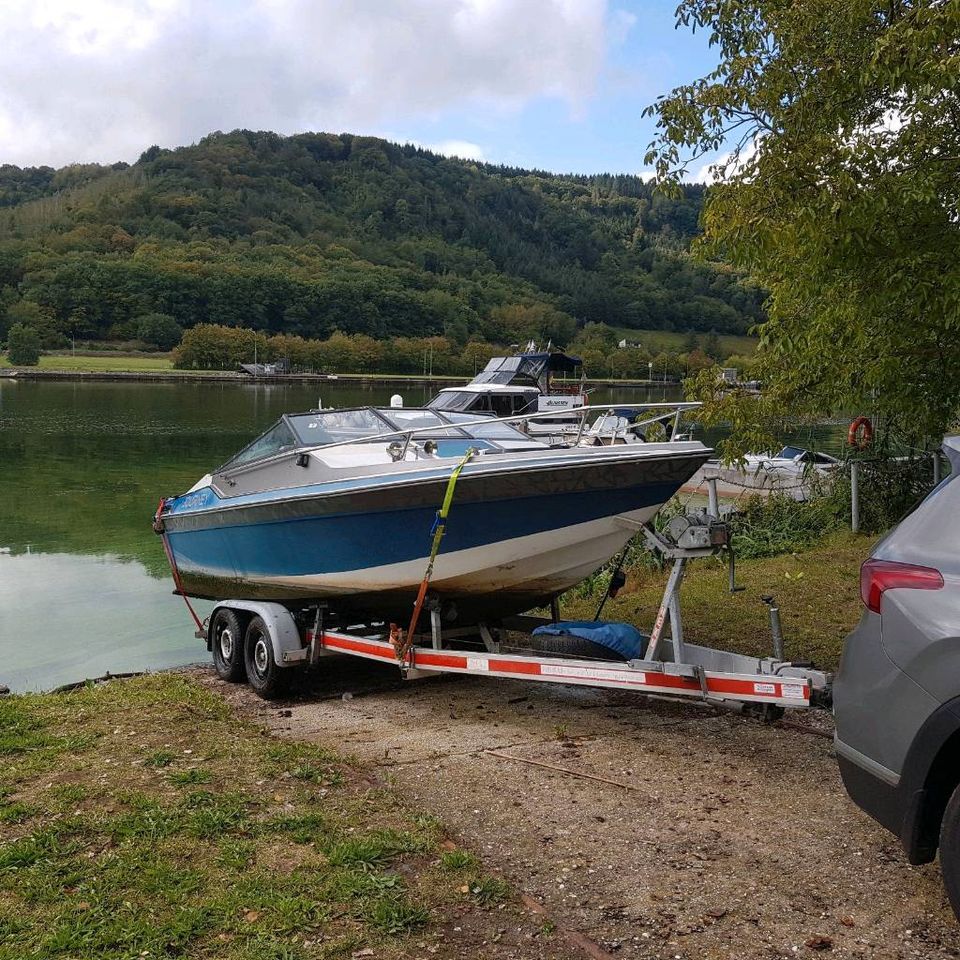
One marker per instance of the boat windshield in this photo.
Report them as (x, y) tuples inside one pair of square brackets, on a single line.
[(493, 430), (277, 439), (337, 426), (328, 427), (455, 400)]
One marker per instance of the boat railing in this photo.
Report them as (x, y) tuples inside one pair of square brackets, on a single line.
[(670, 410)]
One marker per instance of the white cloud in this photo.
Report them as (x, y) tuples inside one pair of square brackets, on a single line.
[(103, 79), (463, 149), (711, 172)]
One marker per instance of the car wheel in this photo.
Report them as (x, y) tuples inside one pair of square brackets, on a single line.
[(263, 674), (226, 642), (950, 851)]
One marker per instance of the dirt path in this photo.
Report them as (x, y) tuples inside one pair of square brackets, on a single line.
[(721, 837)]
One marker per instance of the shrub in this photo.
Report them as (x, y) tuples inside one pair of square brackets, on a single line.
[(159, 329), (23, 346)]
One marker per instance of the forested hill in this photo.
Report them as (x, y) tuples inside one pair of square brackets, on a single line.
[(314, 233)]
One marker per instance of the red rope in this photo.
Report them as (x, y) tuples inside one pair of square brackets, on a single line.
[(160, 529)]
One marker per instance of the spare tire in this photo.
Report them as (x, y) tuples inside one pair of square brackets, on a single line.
[(567, 645)]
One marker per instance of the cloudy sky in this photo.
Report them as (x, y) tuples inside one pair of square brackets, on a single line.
[(554, 84)]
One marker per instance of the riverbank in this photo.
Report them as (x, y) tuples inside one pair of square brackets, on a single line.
[(144, 818), (169, 375)]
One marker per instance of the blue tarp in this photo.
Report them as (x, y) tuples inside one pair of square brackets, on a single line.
[(623, 638)]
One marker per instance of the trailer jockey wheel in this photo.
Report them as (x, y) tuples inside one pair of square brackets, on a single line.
[(226, 644), (264, 676)]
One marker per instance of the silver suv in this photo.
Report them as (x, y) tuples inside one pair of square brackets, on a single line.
[(897, 694)]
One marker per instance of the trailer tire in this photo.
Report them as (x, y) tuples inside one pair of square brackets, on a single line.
[(566, 645), (264, 676), (227, 645)]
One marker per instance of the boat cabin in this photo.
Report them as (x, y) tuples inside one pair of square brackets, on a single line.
[(514, 386)]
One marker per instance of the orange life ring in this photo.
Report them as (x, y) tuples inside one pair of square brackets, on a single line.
[(860, 433)]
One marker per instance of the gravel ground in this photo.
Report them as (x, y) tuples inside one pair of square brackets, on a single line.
[(720, 837)]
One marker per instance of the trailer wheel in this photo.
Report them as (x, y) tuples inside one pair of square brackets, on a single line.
[(226, 642), (263, 674), (566, 645), (950, 851)]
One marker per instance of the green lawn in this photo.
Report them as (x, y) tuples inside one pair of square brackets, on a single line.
[(143, 818), (657, 340), (118, 363)]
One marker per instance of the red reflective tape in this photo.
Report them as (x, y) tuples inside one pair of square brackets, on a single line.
[(371, 647)]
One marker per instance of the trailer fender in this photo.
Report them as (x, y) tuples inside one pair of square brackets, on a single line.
[(288, 646)]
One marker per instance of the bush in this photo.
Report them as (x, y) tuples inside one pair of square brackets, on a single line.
[(23, 346), (768, 526), (159, 329)]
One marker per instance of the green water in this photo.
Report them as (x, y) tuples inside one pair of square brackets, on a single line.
[(84, 585)]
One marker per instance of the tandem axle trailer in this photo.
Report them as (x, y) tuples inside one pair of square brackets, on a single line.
[(265, 642)]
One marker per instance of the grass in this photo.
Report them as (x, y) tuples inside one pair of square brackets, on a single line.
[(657, 340), (142, 818), (87, 364), (817, 590)]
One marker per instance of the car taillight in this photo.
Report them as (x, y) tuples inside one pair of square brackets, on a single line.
[(879, 575)]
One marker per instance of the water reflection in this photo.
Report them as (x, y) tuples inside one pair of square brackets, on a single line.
[(66, 617)]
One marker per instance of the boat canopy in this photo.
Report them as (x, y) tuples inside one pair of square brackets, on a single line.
[(527, 369), (320, 428)]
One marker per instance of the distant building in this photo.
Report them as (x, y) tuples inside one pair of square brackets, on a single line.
[(729, 374)]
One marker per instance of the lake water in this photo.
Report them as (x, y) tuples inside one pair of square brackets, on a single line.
[(84, 584)]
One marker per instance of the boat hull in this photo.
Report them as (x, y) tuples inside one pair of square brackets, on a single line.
[(515, 538)]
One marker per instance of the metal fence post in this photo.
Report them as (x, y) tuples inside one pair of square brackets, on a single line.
[(855, 496)]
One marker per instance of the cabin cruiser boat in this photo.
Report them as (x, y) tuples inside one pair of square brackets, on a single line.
[(339, 506), (525, 384), (519, 385)]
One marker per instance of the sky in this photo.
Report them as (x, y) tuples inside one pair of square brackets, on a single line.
[(552, 84)]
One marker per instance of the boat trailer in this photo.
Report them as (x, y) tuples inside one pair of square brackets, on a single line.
[(275, 639)]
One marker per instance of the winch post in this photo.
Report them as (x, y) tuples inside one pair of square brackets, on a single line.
[(713, 502), (666, 605)]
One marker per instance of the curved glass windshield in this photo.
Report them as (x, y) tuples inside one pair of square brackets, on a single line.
[(277, 439), (337, 426)]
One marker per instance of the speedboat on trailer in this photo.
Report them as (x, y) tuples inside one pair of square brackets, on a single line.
[(339, 506)]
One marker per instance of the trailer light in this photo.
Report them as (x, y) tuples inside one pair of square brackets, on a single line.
[(876, 576)]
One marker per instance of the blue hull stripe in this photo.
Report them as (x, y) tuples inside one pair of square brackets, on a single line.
[(345, 542)]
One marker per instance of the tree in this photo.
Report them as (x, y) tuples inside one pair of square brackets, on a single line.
[(23, 346), (840, 194), (160, 329)]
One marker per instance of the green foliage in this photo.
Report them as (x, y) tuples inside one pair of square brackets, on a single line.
[(889, 489), (314, 233), (160, 329), (777, 524), (23, 346), (840, 196)]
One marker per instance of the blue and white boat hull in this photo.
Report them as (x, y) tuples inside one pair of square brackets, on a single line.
[(520, 531)]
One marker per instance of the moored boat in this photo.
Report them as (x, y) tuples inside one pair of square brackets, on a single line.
[(339, 505)]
